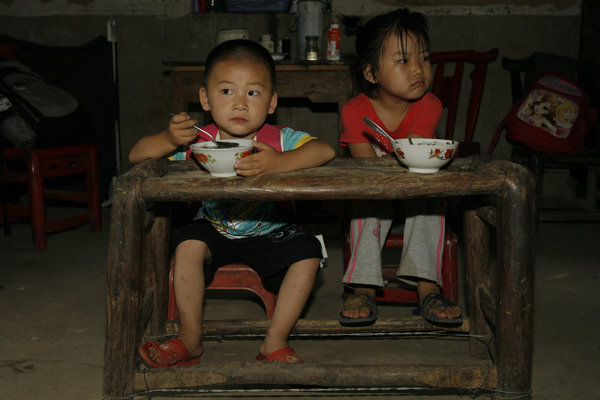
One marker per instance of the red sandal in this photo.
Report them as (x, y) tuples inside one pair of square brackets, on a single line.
[(286, 355), (173, 353)]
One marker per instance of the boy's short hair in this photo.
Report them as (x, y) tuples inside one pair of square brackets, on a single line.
[(241, 50), (371, 38)]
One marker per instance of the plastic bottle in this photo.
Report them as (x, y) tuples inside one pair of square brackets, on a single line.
[(333, 42)]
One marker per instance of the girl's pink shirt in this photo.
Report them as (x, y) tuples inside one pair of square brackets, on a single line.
[(422, 119)]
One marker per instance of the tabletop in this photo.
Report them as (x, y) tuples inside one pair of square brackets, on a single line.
[(342, 178)]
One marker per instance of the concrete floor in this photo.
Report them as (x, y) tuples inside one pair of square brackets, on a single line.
[(53, 304)]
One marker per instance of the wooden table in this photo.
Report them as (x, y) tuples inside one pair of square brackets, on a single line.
[(495, 191), (320, 83)]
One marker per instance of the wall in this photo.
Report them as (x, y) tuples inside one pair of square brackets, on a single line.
[(152, 31)]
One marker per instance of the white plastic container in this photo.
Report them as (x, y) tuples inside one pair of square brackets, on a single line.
[(230, 34), (266, 41)]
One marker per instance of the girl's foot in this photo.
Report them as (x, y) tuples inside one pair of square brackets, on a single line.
[(434, 306), (359, 309), (350, 312)]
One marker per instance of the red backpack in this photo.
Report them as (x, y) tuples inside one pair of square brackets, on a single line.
[(554, 116)]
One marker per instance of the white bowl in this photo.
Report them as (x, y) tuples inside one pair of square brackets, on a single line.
[(278, 56), (425, 156), (218, 160)]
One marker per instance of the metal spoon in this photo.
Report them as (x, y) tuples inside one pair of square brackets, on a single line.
[(217, 142), (380, 129)]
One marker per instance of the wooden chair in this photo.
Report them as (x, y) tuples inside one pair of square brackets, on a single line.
[(33, 168), (447, 86), (523, 73), (450, 67)]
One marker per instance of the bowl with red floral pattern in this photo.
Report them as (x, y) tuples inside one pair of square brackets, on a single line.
[(219, 161), (424, 155)]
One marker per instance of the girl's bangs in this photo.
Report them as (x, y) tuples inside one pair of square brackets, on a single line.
[(402, 34)]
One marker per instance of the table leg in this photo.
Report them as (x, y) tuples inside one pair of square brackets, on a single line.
[(123, 288), (124, 283), (478, 279), (514, 322), (156, 271)]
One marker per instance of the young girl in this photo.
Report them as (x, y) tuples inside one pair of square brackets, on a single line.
[(393, 73)]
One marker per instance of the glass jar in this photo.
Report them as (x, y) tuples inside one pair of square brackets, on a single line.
[(312, 48)]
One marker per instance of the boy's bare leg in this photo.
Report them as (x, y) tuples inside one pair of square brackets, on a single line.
[(189, 293), (426, 287), (293, 294)]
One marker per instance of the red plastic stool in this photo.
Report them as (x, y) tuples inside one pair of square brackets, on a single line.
[(402, 295), (33, 167), (230, 277)]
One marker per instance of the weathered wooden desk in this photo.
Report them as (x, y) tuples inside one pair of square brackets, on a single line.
[(137, 281), (320, 83)]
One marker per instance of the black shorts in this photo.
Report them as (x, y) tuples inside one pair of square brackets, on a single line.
[(269, 255)]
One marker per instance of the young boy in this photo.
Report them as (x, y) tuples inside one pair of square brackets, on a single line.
[(239, 92)]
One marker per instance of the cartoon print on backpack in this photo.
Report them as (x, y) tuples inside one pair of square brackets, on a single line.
[(539, 111), (549, 111), (566, 114)]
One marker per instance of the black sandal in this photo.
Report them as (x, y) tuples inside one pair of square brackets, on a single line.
[(433, 301), (357, 301)]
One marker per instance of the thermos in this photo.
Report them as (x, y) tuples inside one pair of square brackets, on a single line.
[(310, 23)]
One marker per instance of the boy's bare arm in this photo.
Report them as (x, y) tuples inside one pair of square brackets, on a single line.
[(269, 161), (151, 146), (180, 132)]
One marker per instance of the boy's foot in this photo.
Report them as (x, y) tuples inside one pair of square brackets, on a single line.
[(359, 309), (286, 355), (172, 353), (436, 308)]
